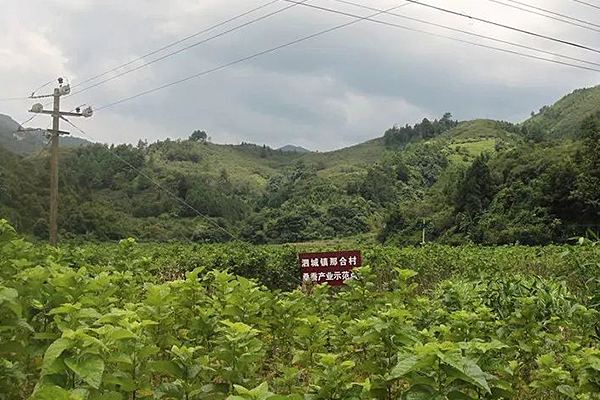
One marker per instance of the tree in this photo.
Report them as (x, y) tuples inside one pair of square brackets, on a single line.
[(199, 136), (427, 130), (588, 181), (475, 190), (379, 185)]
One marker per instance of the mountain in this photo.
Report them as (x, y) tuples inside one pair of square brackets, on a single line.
[(564, 118), (293, 149), (482, 181), (29, 141)]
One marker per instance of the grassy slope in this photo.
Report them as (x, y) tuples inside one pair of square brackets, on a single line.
[(564, 117), (473, 138), (248, 166), (347, 163), (243, 166)]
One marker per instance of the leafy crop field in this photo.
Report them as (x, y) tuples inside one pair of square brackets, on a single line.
[(132, 321)]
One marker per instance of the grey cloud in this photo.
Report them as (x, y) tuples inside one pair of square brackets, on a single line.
[(332, 91)]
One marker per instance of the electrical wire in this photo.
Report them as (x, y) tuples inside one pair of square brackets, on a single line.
[(554, 13), (188, 47), (173, 195), (469, 33), (358, 19), (566, 21), (179, 199), (509, 27), (587, 4), (26, 98), (241, 60), (182, 201), (41, 87), (26, 121), (14, 98), (153, 52)]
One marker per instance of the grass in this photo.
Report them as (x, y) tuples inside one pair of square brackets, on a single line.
[(474, 148)]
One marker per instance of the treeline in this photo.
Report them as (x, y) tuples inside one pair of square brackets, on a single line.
[(525, 189), (532, 194), (425, 130)]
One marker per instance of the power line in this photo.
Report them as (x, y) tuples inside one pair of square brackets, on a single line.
[(26, 121), (26, 98), (170, 193), (241, 60), (189, 47), (554, 13), (358, 19), (512, 28), (462, 31), (452, 38), (14, 98), (179, 41), (566, 21), (41, 87), (587, 4)]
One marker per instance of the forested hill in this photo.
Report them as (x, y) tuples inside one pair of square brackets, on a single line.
[(479, 181), (564, 118)]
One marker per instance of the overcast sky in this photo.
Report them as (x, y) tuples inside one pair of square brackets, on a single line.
[(332, 91)]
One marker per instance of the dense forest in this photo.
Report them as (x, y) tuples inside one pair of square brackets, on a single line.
[(480, 181)]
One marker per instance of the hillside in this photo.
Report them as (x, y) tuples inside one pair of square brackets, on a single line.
[(28, 141), (563, 118), (482, 180), (293, 149)]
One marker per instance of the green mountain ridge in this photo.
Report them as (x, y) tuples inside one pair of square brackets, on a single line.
[(563, 118), (480, 180), (293, 149)]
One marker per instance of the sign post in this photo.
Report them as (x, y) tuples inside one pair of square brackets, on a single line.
[(331, 267)]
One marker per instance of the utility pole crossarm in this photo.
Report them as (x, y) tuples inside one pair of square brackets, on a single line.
[(60, 113)]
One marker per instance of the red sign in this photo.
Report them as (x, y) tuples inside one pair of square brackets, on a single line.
[(333, 267)]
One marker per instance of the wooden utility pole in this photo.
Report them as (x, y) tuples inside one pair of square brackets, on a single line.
[(54, 148), (54, 170)]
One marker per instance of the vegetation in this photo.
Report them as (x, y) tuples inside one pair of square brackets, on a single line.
[(564, 118), (400, 136), (133, 321), (481, 181)]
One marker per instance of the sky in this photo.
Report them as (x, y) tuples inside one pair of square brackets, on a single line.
[(329, 92)]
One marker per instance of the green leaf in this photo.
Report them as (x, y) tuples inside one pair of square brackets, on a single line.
[(89, 313), (567, 391), (120, 334), (108, 396), (166, 367), (123, 382), (54, 351), (404, 366), (468, 369), (242, 390), (171, 390), (90, 369), (419, 392), (458, 395), (8, 294), (50, 392), (474, 372)]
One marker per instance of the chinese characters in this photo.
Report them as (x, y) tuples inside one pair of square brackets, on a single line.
[(333, 268)]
